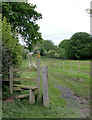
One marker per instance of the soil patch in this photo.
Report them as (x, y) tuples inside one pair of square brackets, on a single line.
[(74, 101), (10, 99)]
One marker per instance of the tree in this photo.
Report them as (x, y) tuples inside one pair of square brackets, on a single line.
[(23, 17), (47, 45), (62, 48), (11, 49), (63, 43), (79, 46), (51, 53)]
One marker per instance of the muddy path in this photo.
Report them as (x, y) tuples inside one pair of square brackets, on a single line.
[(74, 101)]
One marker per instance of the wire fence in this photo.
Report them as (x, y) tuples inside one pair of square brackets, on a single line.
[(78, 66)]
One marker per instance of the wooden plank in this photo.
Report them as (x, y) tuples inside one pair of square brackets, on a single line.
[(17, 89), (11, 80), (38, 75), (45, 86), (24, 79), (25, 87), (32, 96), (20, 79), (25, 70), (5, 79), (21, 96)]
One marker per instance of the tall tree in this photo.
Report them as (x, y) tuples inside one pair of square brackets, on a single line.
[(11, 49), (62, 48), (63, 43), (79, 46), (23, 17), (47, 45)]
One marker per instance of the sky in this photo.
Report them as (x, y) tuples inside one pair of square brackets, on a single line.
[(62, 18)]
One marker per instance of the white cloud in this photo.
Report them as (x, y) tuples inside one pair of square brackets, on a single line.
[(62, 16)]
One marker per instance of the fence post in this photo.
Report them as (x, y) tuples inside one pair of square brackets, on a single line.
[(78, 66), (91, 84), (51, 64), (63, 65), (59, 66), (11, 80), (70, 65), (45, 86), (38, 75)]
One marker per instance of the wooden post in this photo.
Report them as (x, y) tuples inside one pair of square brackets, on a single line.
[(63, 65), (38, 75), (51, 64), (78, 66), (11, 80), (32, 96), (59, 66), (70, 65), (91, 86), (55, 65), (91, 62), (46, 61), (45, 86)]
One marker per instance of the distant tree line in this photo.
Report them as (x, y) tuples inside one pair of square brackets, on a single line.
[(78, 47)]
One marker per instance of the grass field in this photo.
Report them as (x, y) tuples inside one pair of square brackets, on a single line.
[(69, 92)]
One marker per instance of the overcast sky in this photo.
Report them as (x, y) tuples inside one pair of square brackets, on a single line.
[(62, 18)]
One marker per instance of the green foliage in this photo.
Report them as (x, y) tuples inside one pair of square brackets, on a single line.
[(51, 53), (24, 52), (47, 45), (6, 92), (63, 43), (79, 46), (11, 49), (23, 17), (61, 53), (43, 52), (11, 54), (62, 48)]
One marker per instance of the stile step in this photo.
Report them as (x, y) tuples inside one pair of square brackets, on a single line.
[(21, 96)]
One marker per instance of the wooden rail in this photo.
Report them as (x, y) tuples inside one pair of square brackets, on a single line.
[(25, 70), (20, 79), (24, 79), (25, 87)]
